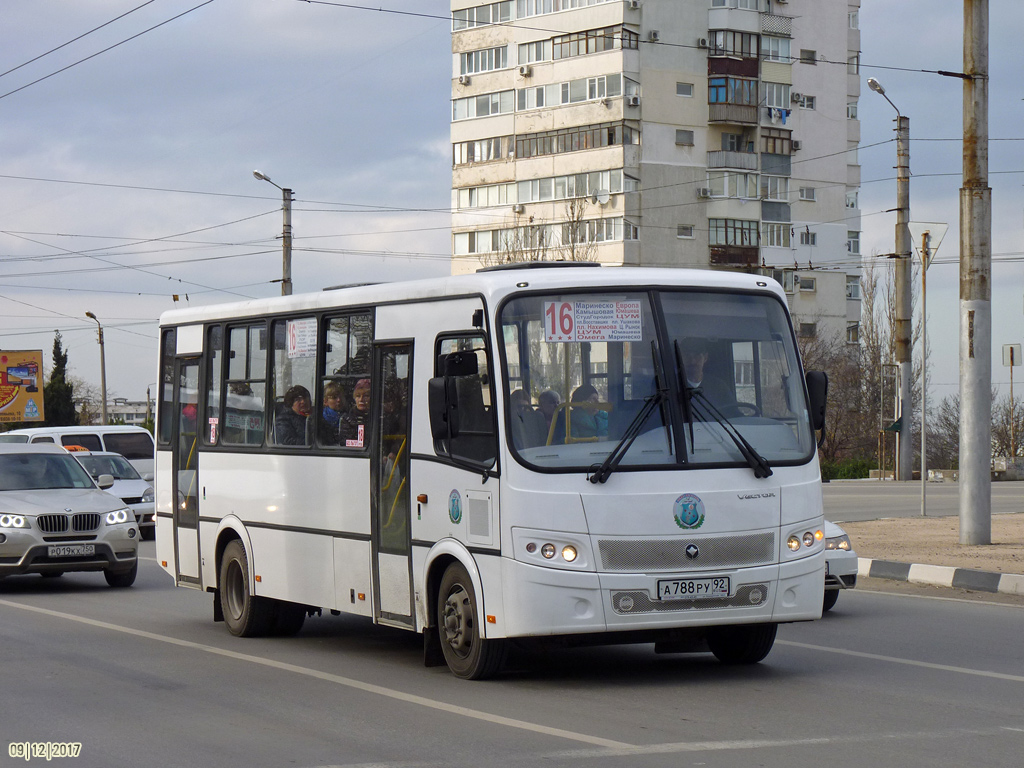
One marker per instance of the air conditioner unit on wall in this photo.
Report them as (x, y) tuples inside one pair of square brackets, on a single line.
[(795, 97), (654, 35), (518, 208), (796, 145), (463, 79), (702, 42), (634, 4), (704, 192), (525, 70), (632, 101)]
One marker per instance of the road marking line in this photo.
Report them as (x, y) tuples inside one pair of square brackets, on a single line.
[(906, 662), (449, 709)]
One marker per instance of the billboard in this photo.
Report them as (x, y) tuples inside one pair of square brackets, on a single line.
[(21, 385)]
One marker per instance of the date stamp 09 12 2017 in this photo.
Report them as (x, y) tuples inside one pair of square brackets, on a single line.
[(43, 750)]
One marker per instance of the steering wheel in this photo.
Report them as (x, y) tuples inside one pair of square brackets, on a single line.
[(738, 408)]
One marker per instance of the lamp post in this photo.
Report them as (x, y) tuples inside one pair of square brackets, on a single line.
[(904, 249), (103, 370), (286, 234)]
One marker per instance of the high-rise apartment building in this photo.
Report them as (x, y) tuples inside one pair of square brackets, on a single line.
[(690, 133)]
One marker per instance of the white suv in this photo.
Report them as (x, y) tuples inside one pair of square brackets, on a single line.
[(54, 518), (840, 564)]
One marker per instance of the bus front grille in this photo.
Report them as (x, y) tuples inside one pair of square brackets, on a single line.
[(646, 555), (633, 601)]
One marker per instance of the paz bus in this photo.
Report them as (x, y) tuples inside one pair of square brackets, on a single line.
[(546, 451)]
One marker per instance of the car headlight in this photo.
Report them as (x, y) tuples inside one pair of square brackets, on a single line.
[(13, 521), (839, 542), (148, 495), (119, 516)]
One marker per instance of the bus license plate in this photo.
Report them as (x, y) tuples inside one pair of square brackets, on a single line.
[(691, 589), (71, 550)]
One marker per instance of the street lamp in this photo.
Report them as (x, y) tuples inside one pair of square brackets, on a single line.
[(103, 370), (286, 235), (903, 286)]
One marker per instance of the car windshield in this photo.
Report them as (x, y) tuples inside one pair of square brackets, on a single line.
[(718, 373), (37, 471), (117, 466)]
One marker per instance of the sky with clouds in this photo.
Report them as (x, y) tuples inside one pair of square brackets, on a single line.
[(126, 179)]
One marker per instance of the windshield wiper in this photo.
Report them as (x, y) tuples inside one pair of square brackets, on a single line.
[(611, 461), (604, 471), (705, 408)]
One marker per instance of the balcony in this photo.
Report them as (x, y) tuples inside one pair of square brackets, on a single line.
[(735, 256), (742, 114), (742, 161)]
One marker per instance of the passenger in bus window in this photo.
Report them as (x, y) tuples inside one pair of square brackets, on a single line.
[(528, 426), (694, 353), (547, 404), (292, 420), (353, 424), (587, 421), (330, 416)]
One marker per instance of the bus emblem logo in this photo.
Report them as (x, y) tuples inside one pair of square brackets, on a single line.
[(689, 511), (455, 507)]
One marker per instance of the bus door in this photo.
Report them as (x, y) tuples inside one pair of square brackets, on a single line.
[(185, 471), (389, 485)]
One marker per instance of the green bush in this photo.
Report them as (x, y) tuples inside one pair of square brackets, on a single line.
[(846, 469)]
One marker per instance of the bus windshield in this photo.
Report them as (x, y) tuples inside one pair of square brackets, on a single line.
[(718, 373)]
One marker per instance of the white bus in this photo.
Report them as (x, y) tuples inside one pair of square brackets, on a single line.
[(597, 455)]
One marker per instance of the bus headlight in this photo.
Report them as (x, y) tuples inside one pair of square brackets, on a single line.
[(569, 553), (548, 550), (793, 543)]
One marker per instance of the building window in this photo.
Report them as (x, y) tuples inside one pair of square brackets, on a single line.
[(684, 89), (749, 5), (732, 90), (775, 141), (733, 232), (808, 330), (684, 231), (776, 95), (807, 194), (851, 199), (808, 284), (737, 184), (684, 137), (775, 49), (485, 60), (808, 238), (592, 41), (527, 8), (852, 287), (775, 187), (851, 110), (492, 13), (724, 42), (807, 102), (487, 196), (853, 17), (574, 185), (776, 235), (576, 139), (530, 53), (853, 333), (485, 104), (480, 151), (853, 241), (808, 56), (853, 65)]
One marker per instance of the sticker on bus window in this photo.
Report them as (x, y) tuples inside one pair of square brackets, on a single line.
[(358, 442), (302, 338), (213, 421), (573, 321)]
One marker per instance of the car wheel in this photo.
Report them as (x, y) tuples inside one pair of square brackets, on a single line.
[(467, 654), (831, 595), (745, 644), (122, 578), (245, 614)]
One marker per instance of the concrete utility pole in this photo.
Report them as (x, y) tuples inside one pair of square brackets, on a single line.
[(975, 288), (103, 370), (903, 290), (286, 234)]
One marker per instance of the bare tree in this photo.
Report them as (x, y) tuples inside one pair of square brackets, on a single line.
[(520, 243), (577, 242)]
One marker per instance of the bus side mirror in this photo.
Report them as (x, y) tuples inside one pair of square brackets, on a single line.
[(817, 391), (443, 406)]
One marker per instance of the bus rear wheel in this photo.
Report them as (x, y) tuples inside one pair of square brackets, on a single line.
[(743, 644), (245, 614), (468, 655)]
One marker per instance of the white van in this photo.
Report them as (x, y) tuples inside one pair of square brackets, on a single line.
[(134, 443)]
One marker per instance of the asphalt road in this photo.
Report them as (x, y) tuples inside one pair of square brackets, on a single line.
[(143, 677), (856, 500)]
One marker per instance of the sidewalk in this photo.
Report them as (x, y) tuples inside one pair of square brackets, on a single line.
[(927, 550)]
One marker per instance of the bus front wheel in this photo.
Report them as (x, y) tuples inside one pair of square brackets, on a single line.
[(743, 644), (245, 614), (468, 655)]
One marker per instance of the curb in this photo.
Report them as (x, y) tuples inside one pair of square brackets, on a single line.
[(942, 576)]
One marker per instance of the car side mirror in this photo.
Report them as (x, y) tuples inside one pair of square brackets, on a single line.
[(443, 406), (148, 477), (105, 481), (817, 392)]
